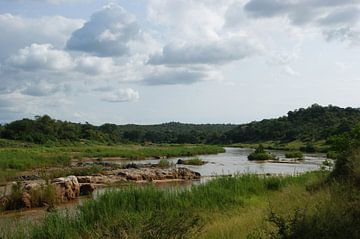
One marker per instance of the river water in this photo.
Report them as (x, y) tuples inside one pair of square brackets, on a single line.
[(232, 161)]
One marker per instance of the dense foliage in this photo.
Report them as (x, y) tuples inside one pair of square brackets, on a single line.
[(44, 129), (310, 124)]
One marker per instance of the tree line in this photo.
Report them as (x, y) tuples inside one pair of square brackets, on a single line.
[(306, 124)]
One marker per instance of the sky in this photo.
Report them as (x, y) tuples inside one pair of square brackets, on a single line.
[(194, 61)]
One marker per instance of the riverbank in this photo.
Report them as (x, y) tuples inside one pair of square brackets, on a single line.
[(296, 145), (149, 212), (18, 160)]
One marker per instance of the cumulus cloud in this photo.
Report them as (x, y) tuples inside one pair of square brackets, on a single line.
[(180, 76), (336, 19), (41, 57), (122, 95), (40, 88), (107, 33), (94, 65), (209, 52), (18, 31)]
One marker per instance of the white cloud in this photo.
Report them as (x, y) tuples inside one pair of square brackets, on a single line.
[(93, 65), (336, 19), (181, 75), (122, 95), (41, 57), (222, 51), (107, 33), (18, 31), (41, 88)]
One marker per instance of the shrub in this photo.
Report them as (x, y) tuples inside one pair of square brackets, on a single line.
[(294, 154), (164, 163), (193, 161), (261, 154)]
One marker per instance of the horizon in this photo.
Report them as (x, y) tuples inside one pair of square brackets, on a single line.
[(200, 123), (203, 62)]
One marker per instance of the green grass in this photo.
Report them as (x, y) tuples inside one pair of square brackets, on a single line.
[(294, 154), (193, 161), (15, 159), (164, 163), (296, 145), (149, 212)]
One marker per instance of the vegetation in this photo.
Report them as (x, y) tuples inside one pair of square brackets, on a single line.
[(261, 154), (45, 195), (45, 130), (148, 212), (313, 124), (192, 161), (13, 160), (307, 125), (164, 163), (294, 154)]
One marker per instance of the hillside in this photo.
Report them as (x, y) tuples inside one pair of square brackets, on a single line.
[(306, 124), (310, 124), (44, 129)]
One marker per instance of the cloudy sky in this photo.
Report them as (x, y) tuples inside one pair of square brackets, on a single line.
[(201, 61)]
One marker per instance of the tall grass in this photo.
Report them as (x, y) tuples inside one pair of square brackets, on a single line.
[(149, 212)]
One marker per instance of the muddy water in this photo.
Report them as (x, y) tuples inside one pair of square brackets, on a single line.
[(232, 161)]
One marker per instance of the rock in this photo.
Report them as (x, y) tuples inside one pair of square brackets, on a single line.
[(86, 189), (131, 165), (4, 201), (31, 186), (26, 199), (180, 161), (68, 187), (84, 179), (185, 173)]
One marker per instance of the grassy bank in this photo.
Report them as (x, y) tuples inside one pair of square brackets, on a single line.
[(15, 159), (153, 213), (296, 145)]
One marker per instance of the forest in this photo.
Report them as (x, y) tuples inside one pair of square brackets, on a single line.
[(305, 124)]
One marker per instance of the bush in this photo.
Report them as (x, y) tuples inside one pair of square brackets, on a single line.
[(193, 161), (294, 154), (164, 163), (261, 154)]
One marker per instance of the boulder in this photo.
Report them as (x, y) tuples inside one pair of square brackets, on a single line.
[(26, 199), (68, 188), (84, 179), (86, 188)]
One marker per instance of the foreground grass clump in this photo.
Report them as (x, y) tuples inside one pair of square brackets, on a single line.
[(294, 154), (149, 212), (192, 161), (261, 154), (45, 195)]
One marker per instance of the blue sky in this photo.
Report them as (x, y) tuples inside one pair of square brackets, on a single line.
[(201, 61)]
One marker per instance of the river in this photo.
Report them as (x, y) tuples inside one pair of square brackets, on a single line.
[(232, 161)]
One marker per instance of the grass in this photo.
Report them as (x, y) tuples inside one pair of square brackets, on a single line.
[(294, 154), (193, 161), (15, 159), (148, 212), (296, 145), (164, 163)]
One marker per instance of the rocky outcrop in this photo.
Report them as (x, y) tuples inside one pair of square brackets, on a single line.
[(68, 188)]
